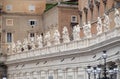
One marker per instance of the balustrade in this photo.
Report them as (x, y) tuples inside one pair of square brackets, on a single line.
[(79, 44)]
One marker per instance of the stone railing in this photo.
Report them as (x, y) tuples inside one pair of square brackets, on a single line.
[(82, 43)]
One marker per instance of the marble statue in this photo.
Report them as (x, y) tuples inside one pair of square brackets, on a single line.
[(25, 44), (9, 48), (47, 39), (106, 23), (76, 33), (39, 41), (99, 26), (56, 37), (87, 29), (32, 42), (13, 47), (117, 18), (65, 35), (18, 46)]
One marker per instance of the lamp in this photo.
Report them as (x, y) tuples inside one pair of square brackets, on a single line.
[(89, 70), (112, 71)]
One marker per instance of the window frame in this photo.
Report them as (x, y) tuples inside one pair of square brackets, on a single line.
[(11, 38), (8, 7), (31, 8), (34, 23), (7, 24), (74, 21)]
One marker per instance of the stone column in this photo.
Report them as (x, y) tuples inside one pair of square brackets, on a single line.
[(65, 74), (75, 73), (55, 74), (39, 75)]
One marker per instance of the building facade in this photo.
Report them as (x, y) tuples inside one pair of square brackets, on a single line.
[(20, 20)]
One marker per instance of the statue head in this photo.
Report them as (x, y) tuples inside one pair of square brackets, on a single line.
[(88, 22), (84, 23), (115, 9)]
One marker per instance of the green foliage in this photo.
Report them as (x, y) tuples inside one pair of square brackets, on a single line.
[(50, 6), (70, 3)]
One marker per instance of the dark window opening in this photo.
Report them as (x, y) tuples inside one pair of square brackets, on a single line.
[(9, 37), (32, 35)]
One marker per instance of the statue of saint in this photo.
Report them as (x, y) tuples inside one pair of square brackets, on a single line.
[(13, 47), (117, 18), (87, 29), (18, 46), (99, 26), (65, 35), (56, 37), (39, 41), (25, 44), (106, 23), (47, 39), (76, 33)]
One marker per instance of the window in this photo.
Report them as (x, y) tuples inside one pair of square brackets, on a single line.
[(9, 7), (32, 22), (9, 22), (9, 37), (31, 8), (117, 4), (32, 35), (74, 18)]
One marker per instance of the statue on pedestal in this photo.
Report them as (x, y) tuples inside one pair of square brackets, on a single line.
[(25, 44), (65, 35), (106, 23), (117, 18), (76, 33), (99, 26), (32, 42), (39, 41), (47, 39), (13, 47), (9, 48), (87, 29), (56, 37), (18, 46)]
